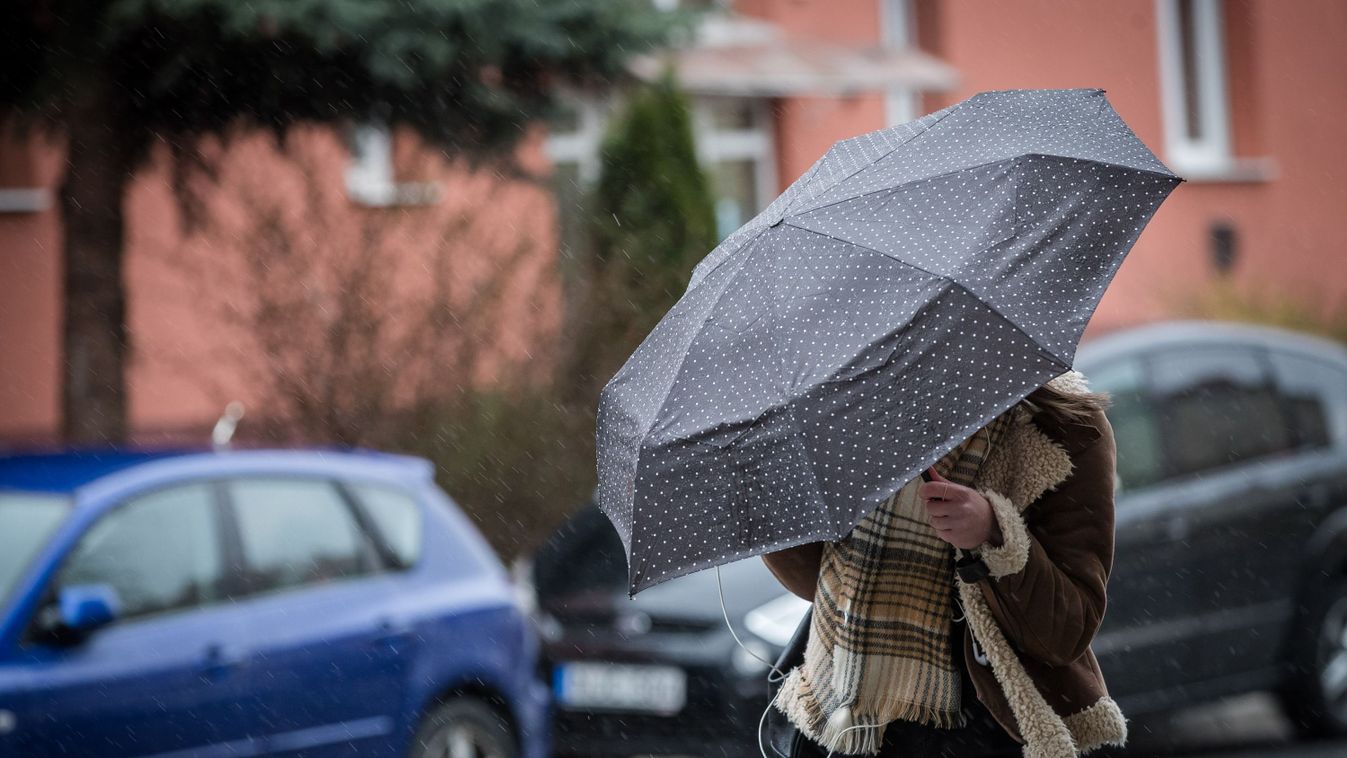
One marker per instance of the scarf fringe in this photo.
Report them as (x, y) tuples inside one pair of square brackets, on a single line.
[(845, 731), (848, 732)]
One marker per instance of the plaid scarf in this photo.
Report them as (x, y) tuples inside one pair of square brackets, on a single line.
[(880, 643)]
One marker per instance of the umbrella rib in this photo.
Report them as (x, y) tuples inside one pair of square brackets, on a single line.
[(867, 248), (805, 182), (1051, 355), (952, 110), (1016, 158), (682, 363), (909, 182), (1100, 115), (1110, 164)]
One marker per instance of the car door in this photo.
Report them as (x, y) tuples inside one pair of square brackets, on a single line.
[(331, 655), (1138, 646), (1227, 445), (164, 675), (1305, 487)]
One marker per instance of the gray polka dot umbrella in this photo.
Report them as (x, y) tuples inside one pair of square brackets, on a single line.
[(915, 283)]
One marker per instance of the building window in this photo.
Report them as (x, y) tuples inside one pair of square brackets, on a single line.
[(574, 135), (1193, 84), (734, 144), (899, 31), (21, 187), (370, 176)]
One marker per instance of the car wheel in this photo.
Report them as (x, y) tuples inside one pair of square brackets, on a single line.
[(463, 728), (1315, 694)]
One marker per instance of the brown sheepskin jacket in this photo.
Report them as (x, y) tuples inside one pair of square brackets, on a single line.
[(1051, 487)]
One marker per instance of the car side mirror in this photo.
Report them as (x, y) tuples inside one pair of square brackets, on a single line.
[(84, 608)]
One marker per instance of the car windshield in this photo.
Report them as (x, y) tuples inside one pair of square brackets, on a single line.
[(27, 520), (585, 555)]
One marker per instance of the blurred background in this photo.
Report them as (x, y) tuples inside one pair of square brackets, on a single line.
[(387, 251)]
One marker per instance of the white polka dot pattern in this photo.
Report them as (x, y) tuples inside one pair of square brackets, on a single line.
[(912, 285)]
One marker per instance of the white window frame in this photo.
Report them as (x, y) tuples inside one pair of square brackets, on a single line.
[(714, 144), (24, 199), (18, 148), (581, 146), (370, 178), (755, 144), (1210, 151), (897, 26)]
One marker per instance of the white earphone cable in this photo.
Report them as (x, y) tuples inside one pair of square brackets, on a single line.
[(775, 672), (724, 612)]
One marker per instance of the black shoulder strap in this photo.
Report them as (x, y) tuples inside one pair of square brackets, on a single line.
[(792, 654), (781, 737)]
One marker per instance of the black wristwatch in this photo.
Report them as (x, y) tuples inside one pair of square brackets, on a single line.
[(972, 568)]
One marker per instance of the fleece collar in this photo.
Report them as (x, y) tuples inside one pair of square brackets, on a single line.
[(1025, 465)]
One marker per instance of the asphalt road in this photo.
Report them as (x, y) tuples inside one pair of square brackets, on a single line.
[(1249, 726)]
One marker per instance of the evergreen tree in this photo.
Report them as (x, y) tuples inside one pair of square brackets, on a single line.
[(653, 219), (114, 76)]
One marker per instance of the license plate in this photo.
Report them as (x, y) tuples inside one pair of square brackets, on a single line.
[(619, 687)]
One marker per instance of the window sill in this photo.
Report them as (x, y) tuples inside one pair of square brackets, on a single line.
[(1233, 171), (24, 200), (394, 195)]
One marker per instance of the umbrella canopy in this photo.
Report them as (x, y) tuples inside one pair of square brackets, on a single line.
[(915, 283)]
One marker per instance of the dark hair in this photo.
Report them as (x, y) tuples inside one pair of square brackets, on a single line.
[(1068, 407)]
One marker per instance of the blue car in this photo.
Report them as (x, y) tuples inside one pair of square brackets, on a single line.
[(277, 602)]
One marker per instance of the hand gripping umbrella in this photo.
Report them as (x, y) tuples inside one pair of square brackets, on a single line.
[(915, 283)]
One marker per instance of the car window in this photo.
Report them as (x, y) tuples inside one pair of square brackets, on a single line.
[(159, 552), (1218, 407), (584, 554), (296, 532), (27, 521), (1312, 393), (396, 516), (1136, 427)]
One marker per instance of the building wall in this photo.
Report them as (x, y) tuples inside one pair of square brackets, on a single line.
[(808, 126), (30, 293), (189, 352), (1286, 68)]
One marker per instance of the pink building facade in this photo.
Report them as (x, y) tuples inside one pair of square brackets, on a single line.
[(1241, 97)]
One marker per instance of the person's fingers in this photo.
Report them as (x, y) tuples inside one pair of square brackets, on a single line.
[(935, 475), (944, 490), (941, 507)]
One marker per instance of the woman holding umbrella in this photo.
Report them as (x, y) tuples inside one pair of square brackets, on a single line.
[(884, 674), (911, 302)]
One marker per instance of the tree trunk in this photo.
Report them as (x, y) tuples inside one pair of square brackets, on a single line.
[(98, 170)]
